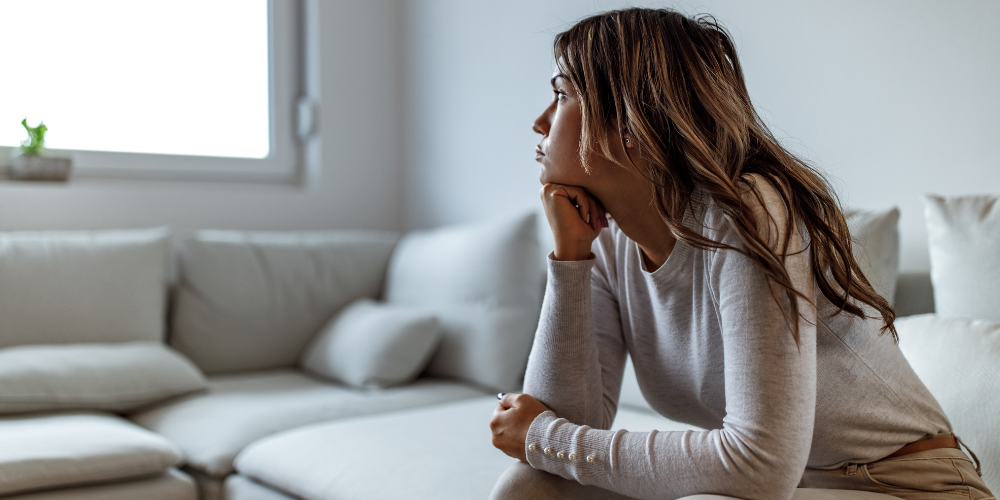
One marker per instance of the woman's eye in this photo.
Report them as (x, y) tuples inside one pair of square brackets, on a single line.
[(559, 95)]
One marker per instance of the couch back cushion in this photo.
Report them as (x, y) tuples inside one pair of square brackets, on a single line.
[(876, 247), (964, 238), (484, 282), (61, 287), (253, 300)]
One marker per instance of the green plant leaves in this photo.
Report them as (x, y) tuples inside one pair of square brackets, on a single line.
[(35, 143)]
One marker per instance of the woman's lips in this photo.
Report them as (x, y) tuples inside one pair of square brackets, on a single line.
[(538, 153)]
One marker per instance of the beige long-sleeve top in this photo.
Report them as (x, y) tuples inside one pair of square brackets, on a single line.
[(711, 348)]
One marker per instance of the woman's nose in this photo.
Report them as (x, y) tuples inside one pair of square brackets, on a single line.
[(541, 125)]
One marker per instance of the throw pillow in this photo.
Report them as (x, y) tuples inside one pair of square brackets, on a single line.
[(67, 287), (372, 345), (113, 377), (959, 362), (964, 239), (876, 247), (484, 282), (252, 301)]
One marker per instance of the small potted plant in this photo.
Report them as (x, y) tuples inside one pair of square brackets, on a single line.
[(32, 164)]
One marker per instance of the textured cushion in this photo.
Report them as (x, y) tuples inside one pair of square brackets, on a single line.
[(350, 459), (170, 485), (959, 362), (252, 301), (429, 453), (371, 344), (876, 247), (485, 284), (237, 410), (240, 487), (51, 451), (115, 377), (964, 239), (82, 286)]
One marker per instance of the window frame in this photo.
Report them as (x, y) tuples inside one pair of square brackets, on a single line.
[(288, 132)]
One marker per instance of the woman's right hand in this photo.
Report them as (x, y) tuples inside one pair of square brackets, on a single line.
[(576, 219)]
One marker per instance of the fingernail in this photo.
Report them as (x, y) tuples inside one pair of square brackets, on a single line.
[(501, 395)]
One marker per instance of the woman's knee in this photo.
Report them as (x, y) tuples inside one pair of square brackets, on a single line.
[(523, 482)]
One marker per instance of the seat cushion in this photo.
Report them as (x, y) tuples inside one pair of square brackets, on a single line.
[(169, 485), (240, 487), (46, 451), (65, 287), (443, 451), (213, 427), (252, 301), (382, 457)]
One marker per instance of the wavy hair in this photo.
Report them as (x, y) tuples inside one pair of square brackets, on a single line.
[(675, 85)]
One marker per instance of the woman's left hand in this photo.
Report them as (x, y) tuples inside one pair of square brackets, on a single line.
[(511, 421)]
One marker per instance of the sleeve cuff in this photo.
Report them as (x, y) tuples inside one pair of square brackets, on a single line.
[(575, 452)]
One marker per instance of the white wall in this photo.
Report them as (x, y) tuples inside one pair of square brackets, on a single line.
[(360, 183), (893, 98)]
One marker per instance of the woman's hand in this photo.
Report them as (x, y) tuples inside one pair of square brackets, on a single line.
[(576, 219), (511, 421)]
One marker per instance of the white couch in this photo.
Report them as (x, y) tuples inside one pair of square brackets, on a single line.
[(245, 306)]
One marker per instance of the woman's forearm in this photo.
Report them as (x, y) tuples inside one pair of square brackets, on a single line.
[(564, 369)]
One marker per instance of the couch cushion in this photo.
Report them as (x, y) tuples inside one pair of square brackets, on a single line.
[(115, 377), (349, 459), (373, 344), (451, 456), (63, 287), (876, 247), (45, 451), (237, 410), (485, 284), (959, 362), (170, 485), (964, 239), (239, 487), (252, 301)]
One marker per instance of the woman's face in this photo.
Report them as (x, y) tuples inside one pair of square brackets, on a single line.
[(560, 126)]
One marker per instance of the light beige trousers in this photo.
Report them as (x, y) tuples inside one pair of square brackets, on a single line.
[(934, 474)]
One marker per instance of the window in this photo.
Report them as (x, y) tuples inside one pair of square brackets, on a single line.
[(187, 89)]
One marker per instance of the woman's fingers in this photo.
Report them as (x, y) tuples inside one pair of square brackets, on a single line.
[(511, 420), (575, 217)]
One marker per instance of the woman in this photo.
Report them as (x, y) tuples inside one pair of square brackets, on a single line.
[(726, 273)]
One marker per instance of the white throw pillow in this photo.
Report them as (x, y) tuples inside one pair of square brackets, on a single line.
[(114, 377), (964, 239), (959, 362), (252, 301), (484, 282), (372, 345), (67, 287), (876, 247)]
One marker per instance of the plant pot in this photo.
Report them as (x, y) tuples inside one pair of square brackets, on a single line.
[(40, 168)]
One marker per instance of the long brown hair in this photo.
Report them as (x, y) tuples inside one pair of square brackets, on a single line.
[(675, 85)]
